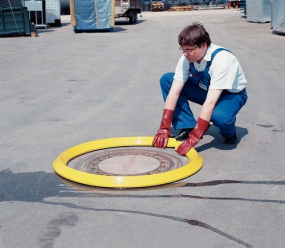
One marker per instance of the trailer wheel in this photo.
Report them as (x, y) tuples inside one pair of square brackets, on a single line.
[(136, 16), (133, 17)]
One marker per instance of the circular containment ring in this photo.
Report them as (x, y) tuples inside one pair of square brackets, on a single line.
[(60, 165)]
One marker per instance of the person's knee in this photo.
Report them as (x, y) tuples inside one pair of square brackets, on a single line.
[(222, 121), (166, 79)]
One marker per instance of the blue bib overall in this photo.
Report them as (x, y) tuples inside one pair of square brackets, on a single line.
[(202, 78), (195, 90)]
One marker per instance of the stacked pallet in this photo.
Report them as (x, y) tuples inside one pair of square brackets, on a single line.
[(157, 6), (182, 8)]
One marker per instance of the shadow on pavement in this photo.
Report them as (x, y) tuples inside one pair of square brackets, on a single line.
[(36, 186), (217, 142)]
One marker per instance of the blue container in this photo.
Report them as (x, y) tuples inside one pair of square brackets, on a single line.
[(93, 15)]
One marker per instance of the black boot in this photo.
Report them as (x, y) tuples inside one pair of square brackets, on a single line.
[(182, 134), (230, 141)]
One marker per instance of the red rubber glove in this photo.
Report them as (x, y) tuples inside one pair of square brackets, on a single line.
[(161, 138), (194, 137)]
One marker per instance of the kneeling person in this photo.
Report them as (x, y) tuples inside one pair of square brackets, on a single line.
[(208, 75)]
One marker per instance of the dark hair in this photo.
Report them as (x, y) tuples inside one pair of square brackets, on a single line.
[(194, 35)]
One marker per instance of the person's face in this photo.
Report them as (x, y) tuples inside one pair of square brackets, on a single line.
[(194, 53)]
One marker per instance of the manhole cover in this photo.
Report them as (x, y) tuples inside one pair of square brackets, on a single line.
[(128, 161)]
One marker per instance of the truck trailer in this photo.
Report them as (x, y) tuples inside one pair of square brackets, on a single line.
[(129, 9)]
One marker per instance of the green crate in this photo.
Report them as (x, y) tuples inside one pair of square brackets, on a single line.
[(27, 21), (1, 22), (14, 21)]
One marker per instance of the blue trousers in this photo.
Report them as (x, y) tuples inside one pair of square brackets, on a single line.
[(224, 114)]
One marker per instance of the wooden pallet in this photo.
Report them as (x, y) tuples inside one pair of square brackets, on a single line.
[(157, 6), (182, 8)]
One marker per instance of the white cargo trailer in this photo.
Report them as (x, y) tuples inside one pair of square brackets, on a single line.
[(129, 9)]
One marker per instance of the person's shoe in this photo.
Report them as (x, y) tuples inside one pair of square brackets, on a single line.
[(182, 134), (230, 141)]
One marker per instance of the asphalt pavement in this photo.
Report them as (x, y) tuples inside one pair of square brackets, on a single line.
[(61, 89)]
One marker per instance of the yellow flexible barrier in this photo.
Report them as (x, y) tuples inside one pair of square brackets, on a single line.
[(60, 165)]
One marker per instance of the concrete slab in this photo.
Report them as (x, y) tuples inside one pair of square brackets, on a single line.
[(62, 89)]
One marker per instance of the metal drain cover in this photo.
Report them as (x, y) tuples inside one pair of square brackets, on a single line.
[(125, 161)]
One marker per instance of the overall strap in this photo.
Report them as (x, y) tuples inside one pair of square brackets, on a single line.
[(214, 54), (192, 68)]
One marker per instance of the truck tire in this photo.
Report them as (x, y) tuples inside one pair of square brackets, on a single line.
[(133, 17)]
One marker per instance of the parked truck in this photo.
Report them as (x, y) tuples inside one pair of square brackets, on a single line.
[(129, 9)]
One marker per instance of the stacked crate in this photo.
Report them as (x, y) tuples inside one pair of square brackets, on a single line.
[(258, 10), (278, 16), (53, 15)]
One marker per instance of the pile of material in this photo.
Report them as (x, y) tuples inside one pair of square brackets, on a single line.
[(182, 8), (209, 7), (157, 6)]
